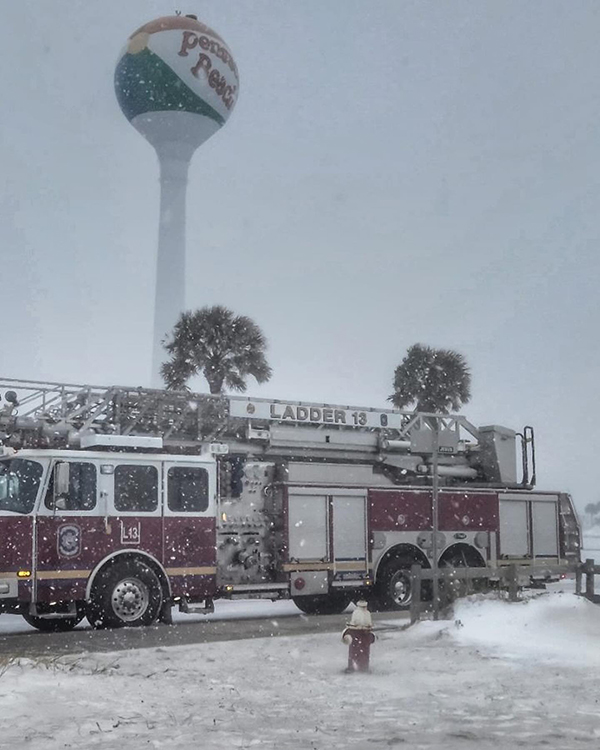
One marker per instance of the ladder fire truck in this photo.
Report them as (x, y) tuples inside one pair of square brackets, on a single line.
[(119, 503)]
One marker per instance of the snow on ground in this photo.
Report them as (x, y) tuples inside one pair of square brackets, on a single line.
[(497, 675), (561, 629)]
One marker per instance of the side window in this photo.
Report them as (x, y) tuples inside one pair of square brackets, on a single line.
[(187, 489), (136, 488), (82, 488)]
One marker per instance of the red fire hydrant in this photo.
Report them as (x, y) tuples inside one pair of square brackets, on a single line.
[(359, 636)]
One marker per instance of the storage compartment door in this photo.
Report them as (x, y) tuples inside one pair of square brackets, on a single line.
[(514, 528), (545, 528), (308, 525), (349, 528)]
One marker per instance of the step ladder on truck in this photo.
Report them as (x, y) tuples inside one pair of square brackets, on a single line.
[(118, 503)]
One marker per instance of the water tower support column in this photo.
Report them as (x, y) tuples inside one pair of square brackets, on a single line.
[(170, 267)]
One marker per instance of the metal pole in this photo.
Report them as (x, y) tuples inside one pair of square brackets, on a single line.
[(434, 508)]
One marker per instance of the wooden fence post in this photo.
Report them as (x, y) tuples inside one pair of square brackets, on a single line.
[(450, 584), (578, 577), (415, 590), (589, 579), (513, 583)]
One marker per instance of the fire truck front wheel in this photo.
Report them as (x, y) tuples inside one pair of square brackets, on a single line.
[(394, 586), (126, 594), (52, 625)]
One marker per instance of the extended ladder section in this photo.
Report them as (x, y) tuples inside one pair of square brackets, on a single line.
[(37, 414)]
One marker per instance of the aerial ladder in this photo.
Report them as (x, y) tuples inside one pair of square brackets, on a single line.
[(35, 414)]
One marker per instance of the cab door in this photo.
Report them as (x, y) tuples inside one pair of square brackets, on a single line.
[(69, 530), (189, 528), (20, 483), (135, 506)]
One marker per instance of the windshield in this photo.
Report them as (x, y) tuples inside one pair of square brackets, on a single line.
[(19, 482)]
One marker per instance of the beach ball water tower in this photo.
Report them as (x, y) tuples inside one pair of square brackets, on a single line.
[(177, 83)]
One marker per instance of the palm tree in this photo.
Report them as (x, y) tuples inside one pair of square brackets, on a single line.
[(433, 380), (224, 347)]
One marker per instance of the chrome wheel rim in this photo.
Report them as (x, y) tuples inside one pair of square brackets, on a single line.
[(400, 588), (130, 599)]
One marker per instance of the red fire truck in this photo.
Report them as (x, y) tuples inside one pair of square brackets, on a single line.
[(118, 503)]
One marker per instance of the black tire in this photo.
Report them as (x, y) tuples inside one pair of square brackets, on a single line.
[(323, 604), (458, 588), (126, 594), (53, 625), (394, 586)]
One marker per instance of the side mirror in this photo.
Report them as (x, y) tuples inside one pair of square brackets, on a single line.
[(60, 503), (61, 485)]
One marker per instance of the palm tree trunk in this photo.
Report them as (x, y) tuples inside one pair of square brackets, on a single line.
[(216, 386)]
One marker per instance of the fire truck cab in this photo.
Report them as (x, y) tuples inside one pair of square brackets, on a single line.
[(74, 522)]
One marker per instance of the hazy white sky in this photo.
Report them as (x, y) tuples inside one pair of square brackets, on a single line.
[(394, 171)]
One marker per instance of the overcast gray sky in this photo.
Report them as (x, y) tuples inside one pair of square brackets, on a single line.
[(394, 171)]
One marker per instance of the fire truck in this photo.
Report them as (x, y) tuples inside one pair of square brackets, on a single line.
[(117, 503)]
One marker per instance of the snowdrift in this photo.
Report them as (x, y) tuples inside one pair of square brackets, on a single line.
[(560, 627)]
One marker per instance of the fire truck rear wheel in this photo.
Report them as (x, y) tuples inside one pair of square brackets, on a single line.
[(394, 587), (127, 594), (321, 604)]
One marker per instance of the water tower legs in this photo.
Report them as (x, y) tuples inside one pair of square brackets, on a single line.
[(170, 267)]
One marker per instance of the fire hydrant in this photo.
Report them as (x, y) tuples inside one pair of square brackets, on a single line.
[(359, 636)]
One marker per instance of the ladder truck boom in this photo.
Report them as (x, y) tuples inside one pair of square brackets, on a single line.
[(62, 415)]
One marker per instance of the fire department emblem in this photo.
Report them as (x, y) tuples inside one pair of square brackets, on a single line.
[(69, 541)]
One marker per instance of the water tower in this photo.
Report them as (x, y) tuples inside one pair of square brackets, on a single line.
[(177, 83)]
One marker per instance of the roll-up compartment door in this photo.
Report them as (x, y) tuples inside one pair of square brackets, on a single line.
[(545, 528), (349, 527), (514, 528), (308, 526)]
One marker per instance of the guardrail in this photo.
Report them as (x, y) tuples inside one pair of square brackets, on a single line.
[(456, 582)]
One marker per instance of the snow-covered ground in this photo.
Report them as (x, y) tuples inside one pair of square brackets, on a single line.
[(497, 675)]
